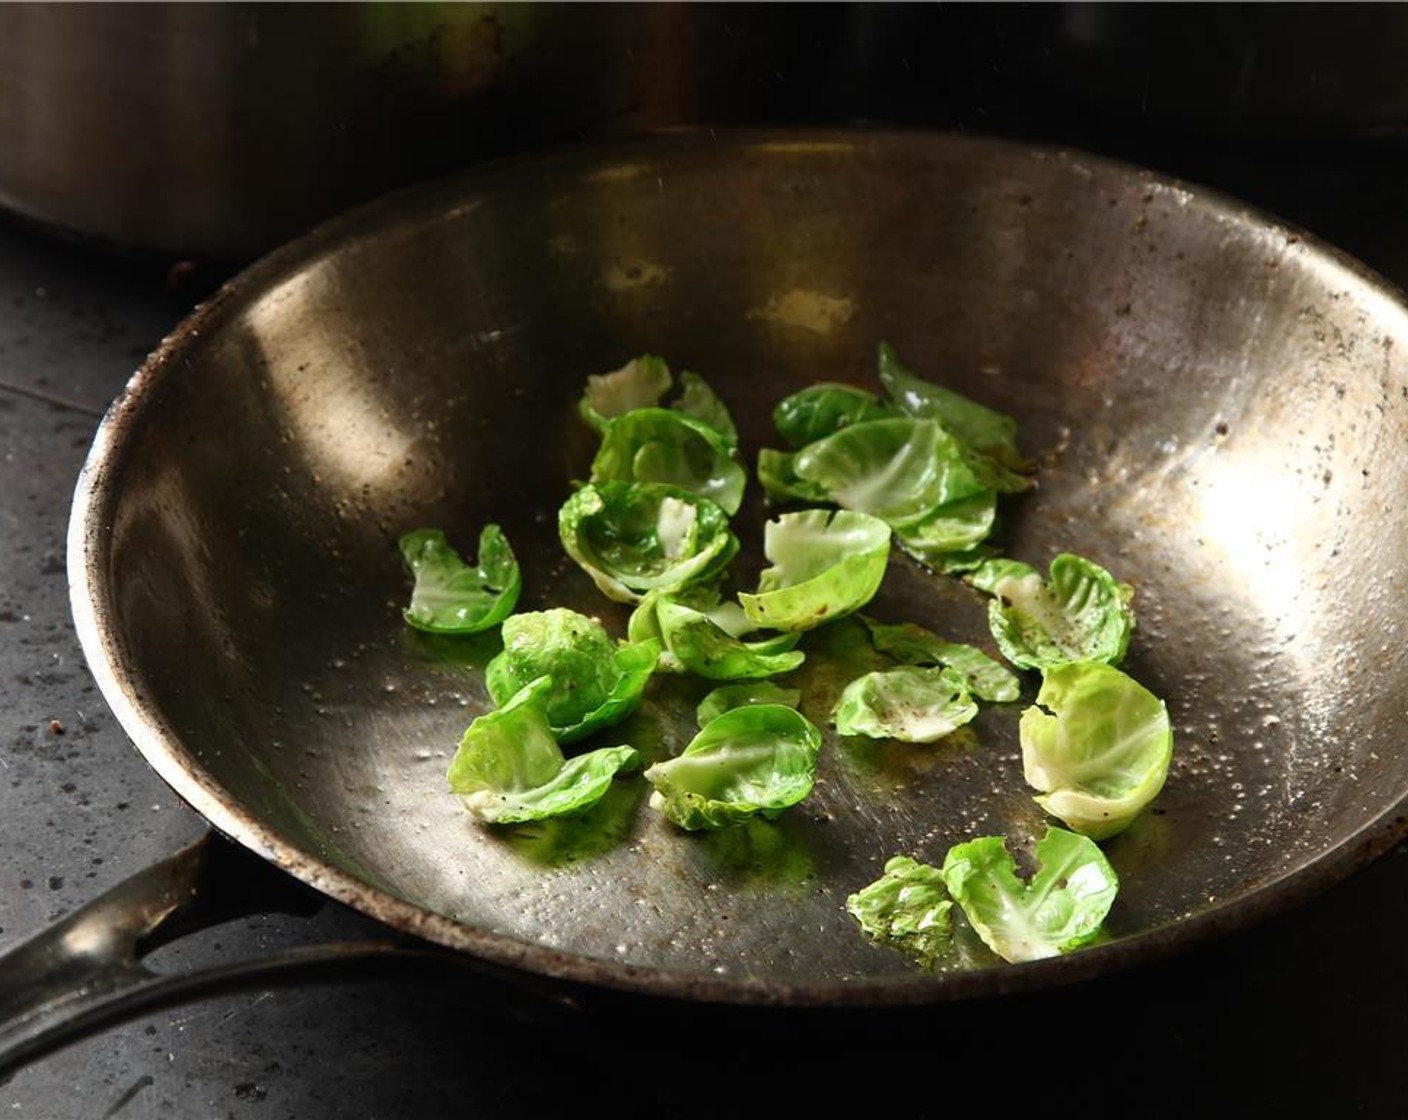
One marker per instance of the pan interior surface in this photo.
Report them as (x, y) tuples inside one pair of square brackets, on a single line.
[(1216, 403)]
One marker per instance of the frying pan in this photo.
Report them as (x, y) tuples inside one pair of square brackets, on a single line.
[(1216, 402)]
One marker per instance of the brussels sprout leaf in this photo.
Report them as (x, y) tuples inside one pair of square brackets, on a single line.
[(907, 908), (729, 696), (825, 408), (777, 473), (756, 760), (897, 469), (990, 433), (699, 401), (825, 564), (644, 382), (1079, 613), (950, 530), (449, 596), (635, 537), (662, 445), (1062, 907), (596, 681), (640, 383), (705, 598), (911, 703), (509, 768), (1097, 745), (700, 646), (915, 645)]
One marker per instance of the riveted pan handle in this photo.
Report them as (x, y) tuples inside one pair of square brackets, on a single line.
[(85, 972)]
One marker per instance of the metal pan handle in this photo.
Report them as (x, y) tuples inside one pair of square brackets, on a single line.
[(85, 972)]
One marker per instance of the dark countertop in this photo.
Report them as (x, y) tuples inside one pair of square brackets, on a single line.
[(1307, 1010)]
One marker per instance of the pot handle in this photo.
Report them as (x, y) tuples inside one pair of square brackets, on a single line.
[(85, 972)]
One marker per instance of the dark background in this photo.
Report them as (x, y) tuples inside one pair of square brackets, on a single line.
[(1291, 108)]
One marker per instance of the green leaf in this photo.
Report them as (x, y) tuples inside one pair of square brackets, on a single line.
[(699, 402), (1097, 745), (1080, 612), (1061, 908), (666, 446), (990, 433), (701, 646), (950, 530), (645, 382), (824, 565), (509, 768), (777, 474), (635, 663), (911, 703), (907, 908), (705, 597), (752, 761), (729, 696), (898, 470), (451, 597), (640, 383), (635, 537), (959, 563), (596, 681), (987, 678), (825, 408)]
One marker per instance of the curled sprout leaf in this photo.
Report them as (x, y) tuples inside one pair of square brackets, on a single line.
[(573, 649), (644, 382), (913, 644), (640, 383), (595, 681), (662, 445), (706, 598), (636, 537), (956, 563), (991, 434), (1080, 612), (899, 469), (923, 458), (729, 696), (452, 597), (1097, 745), (756, 760), (1062, 907), (825, 408), (951, 529), (635, 662), (907, 908), (825, 564), (700, 646), (777, 473), (699, 401), (509, 768), (911, 703)]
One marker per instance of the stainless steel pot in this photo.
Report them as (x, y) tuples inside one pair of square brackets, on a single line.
[(220, 130)]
